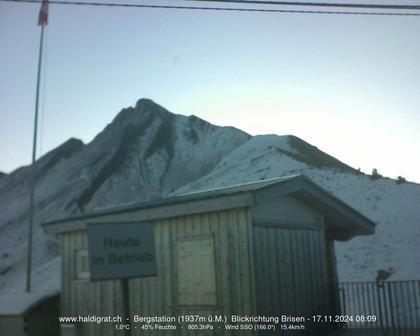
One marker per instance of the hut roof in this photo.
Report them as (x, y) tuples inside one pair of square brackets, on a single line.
[(20, 303), (335, 211)]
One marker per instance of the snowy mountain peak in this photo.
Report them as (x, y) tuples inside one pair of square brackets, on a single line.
[(147, 152), (313, 156), (144, 153), (65, 151)]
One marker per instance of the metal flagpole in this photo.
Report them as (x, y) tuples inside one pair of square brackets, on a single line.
[(42, 21)]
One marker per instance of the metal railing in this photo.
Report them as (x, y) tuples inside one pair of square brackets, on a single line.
[(391, 306)]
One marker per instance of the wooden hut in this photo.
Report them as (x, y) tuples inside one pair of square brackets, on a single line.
[(255, 249)]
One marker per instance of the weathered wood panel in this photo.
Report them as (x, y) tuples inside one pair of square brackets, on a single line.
[(196, 269), (82, 297), (286, 211), (157, 296), (291, 274)]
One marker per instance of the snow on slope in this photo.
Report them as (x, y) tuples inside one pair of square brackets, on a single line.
[(155, 152), (148, 152), (259, 158), (45, 278), (52, 194), (394, 207), (395, 245), (144, 153)]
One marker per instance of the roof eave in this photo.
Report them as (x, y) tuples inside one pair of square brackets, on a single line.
[(165, 210), (336, 211)]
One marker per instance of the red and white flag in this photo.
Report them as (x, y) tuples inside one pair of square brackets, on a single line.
[(43, 14)]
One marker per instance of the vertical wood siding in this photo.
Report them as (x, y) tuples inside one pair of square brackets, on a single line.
[(291, 275), (80, 297), (231, 231)]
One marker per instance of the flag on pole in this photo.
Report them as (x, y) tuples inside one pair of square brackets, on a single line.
[(43, 14)]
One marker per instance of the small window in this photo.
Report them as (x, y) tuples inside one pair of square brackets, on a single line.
[(82, 265)]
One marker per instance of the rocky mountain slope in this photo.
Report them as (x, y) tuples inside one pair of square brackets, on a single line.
[(147, 152)]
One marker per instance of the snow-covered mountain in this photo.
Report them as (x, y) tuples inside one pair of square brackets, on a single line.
[(147, 152), (394, 206)]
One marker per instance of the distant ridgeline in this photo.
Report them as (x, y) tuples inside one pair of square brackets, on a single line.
[(148, 153)]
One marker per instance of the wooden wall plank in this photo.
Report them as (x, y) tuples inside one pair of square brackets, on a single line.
[(290, 265), (251, 261), (238, 289), (246, 263), (232, 233), (224, 278)]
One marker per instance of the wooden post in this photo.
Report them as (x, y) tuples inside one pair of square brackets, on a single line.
[(126, 306)]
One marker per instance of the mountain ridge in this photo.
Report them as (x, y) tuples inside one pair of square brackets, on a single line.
[(147, 152)]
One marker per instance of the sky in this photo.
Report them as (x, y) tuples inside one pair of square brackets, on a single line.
[(349, 85)]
